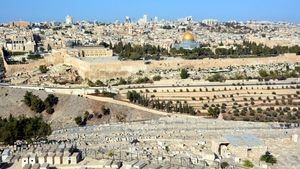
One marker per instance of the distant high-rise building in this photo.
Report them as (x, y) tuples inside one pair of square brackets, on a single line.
[(143, 20), (210, 22), (69, 20), (127, 19), (155, 19), (186, 20)]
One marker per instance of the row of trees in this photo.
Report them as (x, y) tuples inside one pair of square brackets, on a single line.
[(168, 106), (82, 120), (98, 83), (22, 128), (254, 49), (138, 52), (246, 49), (38, 105), (196, 53), (263, 75), (280, 75)]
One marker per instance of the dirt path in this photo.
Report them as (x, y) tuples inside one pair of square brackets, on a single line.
[(113, 101), (145, 109)]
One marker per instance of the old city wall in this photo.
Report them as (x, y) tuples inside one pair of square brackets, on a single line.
[(55, 58), (2, 57), (96, 71), (11, 69), (115, 69), (109, 70)]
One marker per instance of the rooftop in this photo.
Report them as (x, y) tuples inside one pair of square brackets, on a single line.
[(243, 140)]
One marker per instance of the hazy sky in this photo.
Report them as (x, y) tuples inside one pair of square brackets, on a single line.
[(110, 10)]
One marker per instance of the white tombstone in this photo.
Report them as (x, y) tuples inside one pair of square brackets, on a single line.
[(25, 160), (295, 138), (33, 159)]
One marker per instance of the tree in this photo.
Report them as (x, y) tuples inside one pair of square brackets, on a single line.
[(91, 84), (105, 111), (99, 83), (34, 102), (78, 120), (43, 69), (184, 74), (97, 92), (142, 80), (224, 165), (49, 110), (268, 158), (27, 98), (263, 73), (214, 112), (23, 128), (51, 100), (37, 105), (86, 116), (156, 78), (23, 60), (133, 96)]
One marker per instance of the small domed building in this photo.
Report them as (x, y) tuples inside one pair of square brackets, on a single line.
[(188, 42)]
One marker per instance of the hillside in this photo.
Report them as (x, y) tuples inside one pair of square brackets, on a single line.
[(67, 108)]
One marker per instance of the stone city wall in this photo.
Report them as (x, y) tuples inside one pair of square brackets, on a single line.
[(55, 58), (124, 69), (96, 71), (109, 70)]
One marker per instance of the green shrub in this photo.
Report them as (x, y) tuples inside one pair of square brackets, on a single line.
[(248, 164), (184, 74)]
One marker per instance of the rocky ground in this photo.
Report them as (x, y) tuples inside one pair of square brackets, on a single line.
[(57, 74), (67, 109)]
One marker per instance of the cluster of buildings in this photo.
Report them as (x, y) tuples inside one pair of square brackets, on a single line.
[(20, 43), (166, 34)]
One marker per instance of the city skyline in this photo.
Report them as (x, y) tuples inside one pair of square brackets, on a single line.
[(109, 11)]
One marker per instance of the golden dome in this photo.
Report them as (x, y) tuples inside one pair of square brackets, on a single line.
[(188, 36)]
